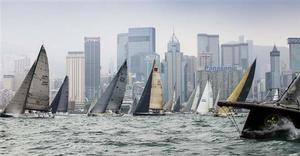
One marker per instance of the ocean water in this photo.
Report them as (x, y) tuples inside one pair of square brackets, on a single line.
[(179, 134)]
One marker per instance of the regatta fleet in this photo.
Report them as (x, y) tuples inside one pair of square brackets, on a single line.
[(32, 100)]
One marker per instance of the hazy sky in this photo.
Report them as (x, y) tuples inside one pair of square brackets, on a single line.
[(62, 24)]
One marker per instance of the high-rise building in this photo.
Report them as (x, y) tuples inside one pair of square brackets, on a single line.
[(273, 77), (294, 46), (122, 48), (275, 67), (141, 42), (92, 66), (21, 68), (174, 60), (76, 73), (9, 82), (189, 74), (208, 50), (22, 65), (164, 77), (234, 55), (223, 79)]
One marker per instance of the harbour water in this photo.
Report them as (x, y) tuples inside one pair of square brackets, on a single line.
[(179, 134)]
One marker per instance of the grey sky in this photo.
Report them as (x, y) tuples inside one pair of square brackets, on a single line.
[(62, 25)]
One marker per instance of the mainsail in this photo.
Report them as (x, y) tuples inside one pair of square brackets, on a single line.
[(291, 95), (206, 101), (38, 95), (113, 94), (133, 106), (177, 105), (216, 101), (60, 102), (18, 102), (196, 99), (170, 103), (241, 91), (119, 91), (33, 93), (143, 104), (156, 96), (189, 103)]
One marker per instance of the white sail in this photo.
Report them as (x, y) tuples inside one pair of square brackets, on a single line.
[(196, 99), (189, 103), (206, 101), (170, 104), (216, 101), (38, 95), (156, 97), (276, 95), (210, 96)]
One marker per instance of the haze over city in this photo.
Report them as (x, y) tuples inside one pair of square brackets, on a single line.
[(62, 25)]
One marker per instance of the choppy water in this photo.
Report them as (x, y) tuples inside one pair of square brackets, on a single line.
[(166, 135)]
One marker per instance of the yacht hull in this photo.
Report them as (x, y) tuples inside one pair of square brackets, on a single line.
[(267, 120)]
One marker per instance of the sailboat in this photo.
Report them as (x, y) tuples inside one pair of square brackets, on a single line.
[(216, 103), (176, 107), (170, 104), (151, 101), (60, 101), (113, 95), (189, 103), (276, 95), (33, 94), (272, 119), (240, 92), (196, 99), (206, 102)]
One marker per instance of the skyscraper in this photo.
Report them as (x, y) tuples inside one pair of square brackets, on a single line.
[(235, 55), (21, 67), (174, 59), (141, 42), (294, 46), (275, 67), (76, 73), (122, 48), (92, 66), (208, 50), (273, 77), (189, 74)]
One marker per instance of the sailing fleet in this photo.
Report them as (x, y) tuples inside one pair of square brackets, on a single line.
[(32, 98)]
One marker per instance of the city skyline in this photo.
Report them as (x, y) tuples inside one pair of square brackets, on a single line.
[(72, 21)]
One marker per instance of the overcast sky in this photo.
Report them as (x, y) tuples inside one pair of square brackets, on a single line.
[(61, 25)]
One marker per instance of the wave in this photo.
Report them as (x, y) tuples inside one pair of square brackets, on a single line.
[(284, 129)]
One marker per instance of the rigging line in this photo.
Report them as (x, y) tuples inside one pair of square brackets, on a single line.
[(235, 123), (232, 120)]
